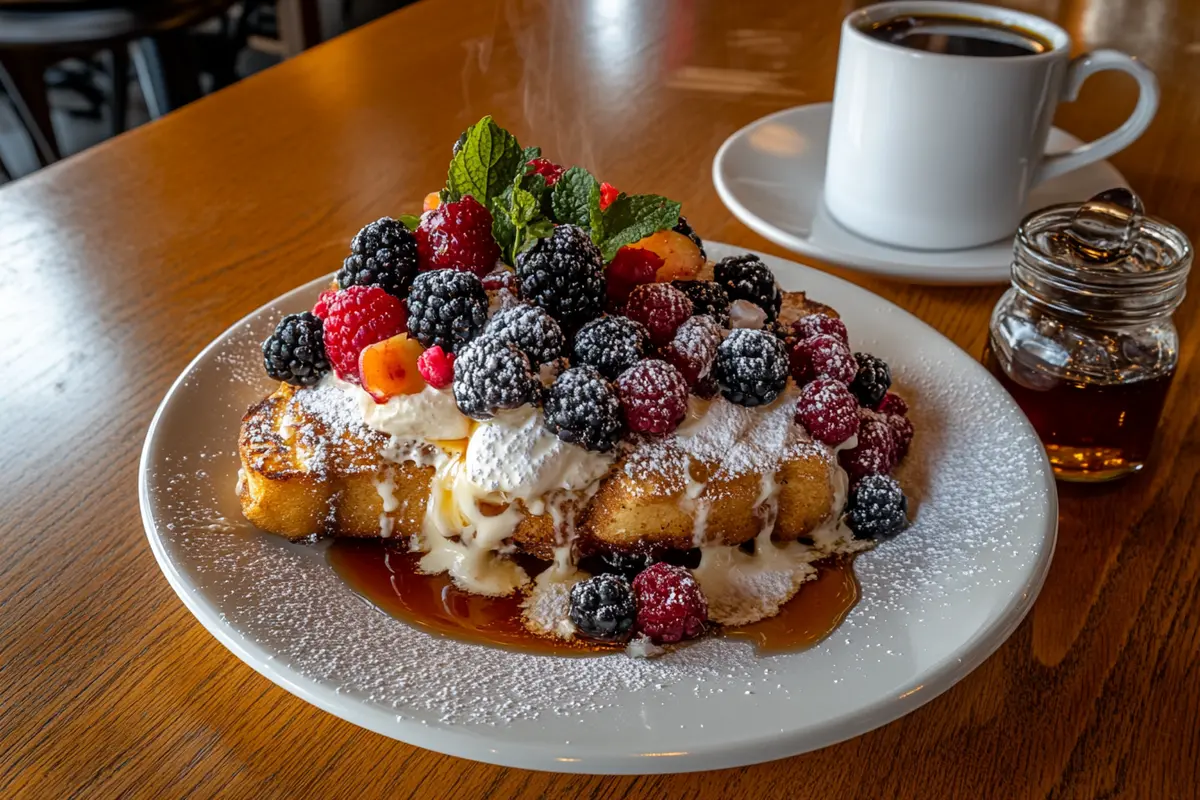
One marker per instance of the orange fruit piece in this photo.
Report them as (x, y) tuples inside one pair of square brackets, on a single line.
[(432, 201), (681, 258), (389, 368)]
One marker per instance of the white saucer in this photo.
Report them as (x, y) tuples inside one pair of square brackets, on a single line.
[(770, 174)]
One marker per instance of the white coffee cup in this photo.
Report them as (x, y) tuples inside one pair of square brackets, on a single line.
[(935, 152)]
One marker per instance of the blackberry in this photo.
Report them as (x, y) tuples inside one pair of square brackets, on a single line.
[(611, 345), (295, 352), (746, 277), (603, 608), (708, 297), (872, 380), (491, 374), (447, 308), (626, 563), (530, 328), (564, 274), (383, 254), (583, 408), (876, 507), (683, 227), (751, 367)]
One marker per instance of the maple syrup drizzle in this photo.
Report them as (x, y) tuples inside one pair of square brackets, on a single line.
[(388, 578)]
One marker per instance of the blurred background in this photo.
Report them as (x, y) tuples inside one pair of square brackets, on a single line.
[(76, 72)]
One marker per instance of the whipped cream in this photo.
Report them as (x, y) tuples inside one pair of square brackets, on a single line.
[(429, 414)]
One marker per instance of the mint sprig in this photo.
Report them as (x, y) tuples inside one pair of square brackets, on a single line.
[(517, 218), (485, 165), (576, 199)]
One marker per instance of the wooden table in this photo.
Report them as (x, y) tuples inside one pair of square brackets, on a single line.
[(119, 264)]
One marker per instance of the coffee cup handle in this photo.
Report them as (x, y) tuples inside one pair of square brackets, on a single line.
[(1082, 68)]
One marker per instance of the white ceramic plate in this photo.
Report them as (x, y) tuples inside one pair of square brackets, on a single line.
[(936, 601), (771, 175)]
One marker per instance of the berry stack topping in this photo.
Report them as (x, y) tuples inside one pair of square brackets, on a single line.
[(357, 317), (708, 297), (491, 374), (530, 328), (746, 277), (295, 352), (822, 356), (816, 324), (547, 169), (876, 452), (603, 608), (626, 563), (382, 254), (751, 367), (447, 308), (611, 345), (583, 408), (828, 410), (631, 267), (653, 396), (683, 227), (876, 507), (694, 348), (458, 236), (564, 274), (872, 380), (436, 367), (670, 604), (661, 308)]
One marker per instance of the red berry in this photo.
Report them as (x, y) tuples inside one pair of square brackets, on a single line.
[(661, 308), (356, 317), (321, 307), (500, 279), (694, 348), (828, 410), (903, 428), (893, 403), (670, 604), (823, 356), (547, 169), (608, 193), (632, 266), (876, 451), (436, 367), (816, 324), (653, 395), (458, 236)]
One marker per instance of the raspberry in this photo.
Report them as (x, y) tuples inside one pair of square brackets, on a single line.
[(321, 307), (694, 348), (602, 608), (683, 227), (631, 267), (903, 428), (436, 367), (816, 324), (746, 277), (564, 274), (822, 356), (611, 345), (670, 604), (653, 396), (876, 451), (584, 409), (446, 308), (357, 317), (547, 169), (661, 308), (499, 279), (383, 254), (872, 379), (893, 403), (608, 193), (828, 410), (876, 507), (458, 236), (708, 297), (491, 374), (295, 352), (529, 328), (751, 367)]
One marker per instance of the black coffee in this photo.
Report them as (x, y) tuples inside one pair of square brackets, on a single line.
[(958, 36)]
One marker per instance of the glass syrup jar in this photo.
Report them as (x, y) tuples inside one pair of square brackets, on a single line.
[(1084, 339)]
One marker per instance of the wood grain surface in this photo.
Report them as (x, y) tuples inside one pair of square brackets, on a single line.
[(118, 265)]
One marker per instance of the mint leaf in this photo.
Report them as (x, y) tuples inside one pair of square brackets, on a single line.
[(503, 229), (517, 217), (576, 200), (530, 153), (631, 218), (487, 163), (410, 221)]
